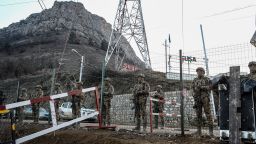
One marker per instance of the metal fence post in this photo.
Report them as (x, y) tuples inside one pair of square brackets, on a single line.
[(234, 104), (181, 96), (13, 127), (101, 90)]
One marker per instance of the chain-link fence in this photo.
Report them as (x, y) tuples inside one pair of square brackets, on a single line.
[(122, 112), (219, 60)]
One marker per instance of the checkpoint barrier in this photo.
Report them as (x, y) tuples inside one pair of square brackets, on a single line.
[(173, 103), (246, 110), (50, 99)]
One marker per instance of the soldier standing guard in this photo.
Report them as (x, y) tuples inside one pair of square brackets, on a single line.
[(76, 100), (141, 93), (20, 110), (69, 86), (201, 86), (107, 96), (159, 106), (36, 106), (252, 67), (57, 90), (252, 76)]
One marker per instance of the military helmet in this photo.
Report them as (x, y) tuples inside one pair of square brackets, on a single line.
[(107, 79), (200, 68), (24, 89), (159, 86), (141, 75), (57, 84), (251, 63), (38, 86)]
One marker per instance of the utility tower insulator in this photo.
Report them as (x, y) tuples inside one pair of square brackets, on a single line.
[(128, 23)]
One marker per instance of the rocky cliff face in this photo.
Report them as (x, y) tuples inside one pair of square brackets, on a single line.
[(253, 40), (44, 40)]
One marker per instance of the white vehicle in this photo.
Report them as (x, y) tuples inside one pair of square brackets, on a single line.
[(65, 112), (43, 113)]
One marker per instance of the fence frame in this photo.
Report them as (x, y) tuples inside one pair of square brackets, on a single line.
[(159, 114)]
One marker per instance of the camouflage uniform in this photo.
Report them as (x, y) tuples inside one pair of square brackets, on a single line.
[(69, 86), (252, 67), (159, 106), (107, 96), (57, 90), (201, 89), (140, 93), (36, 106), (20, 110), (252, 76), (76, 100)]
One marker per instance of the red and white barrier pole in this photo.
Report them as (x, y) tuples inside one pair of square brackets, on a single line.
[(54, 121)]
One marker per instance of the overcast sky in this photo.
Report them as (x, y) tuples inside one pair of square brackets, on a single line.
[(163, 17)]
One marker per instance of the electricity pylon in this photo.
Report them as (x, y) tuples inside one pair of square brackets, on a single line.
[(128, 23)]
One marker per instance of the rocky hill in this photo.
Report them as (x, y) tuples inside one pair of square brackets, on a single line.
[(43, 40), (31, 49), (253, 40)]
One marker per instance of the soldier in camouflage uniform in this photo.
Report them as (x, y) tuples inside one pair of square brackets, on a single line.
[(20, 110), (69, 86), (159, 106), (107, 96), (252, 76), (76, 100), (141, 93), (252, 67), (201, 92), (57, 90), (36, 106)]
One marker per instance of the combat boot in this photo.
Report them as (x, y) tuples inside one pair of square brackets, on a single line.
[(144, 129), (137, 128), (162, 127), (198, 133), (211, 131)]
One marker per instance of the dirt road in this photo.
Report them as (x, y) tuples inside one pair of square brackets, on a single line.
[(72, 136)]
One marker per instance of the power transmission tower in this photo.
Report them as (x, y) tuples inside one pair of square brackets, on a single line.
[(128, 23)]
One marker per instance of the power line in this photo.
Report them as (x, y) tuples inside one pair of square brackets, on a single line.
[(17, 3), (244, 17), (230, 11)]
